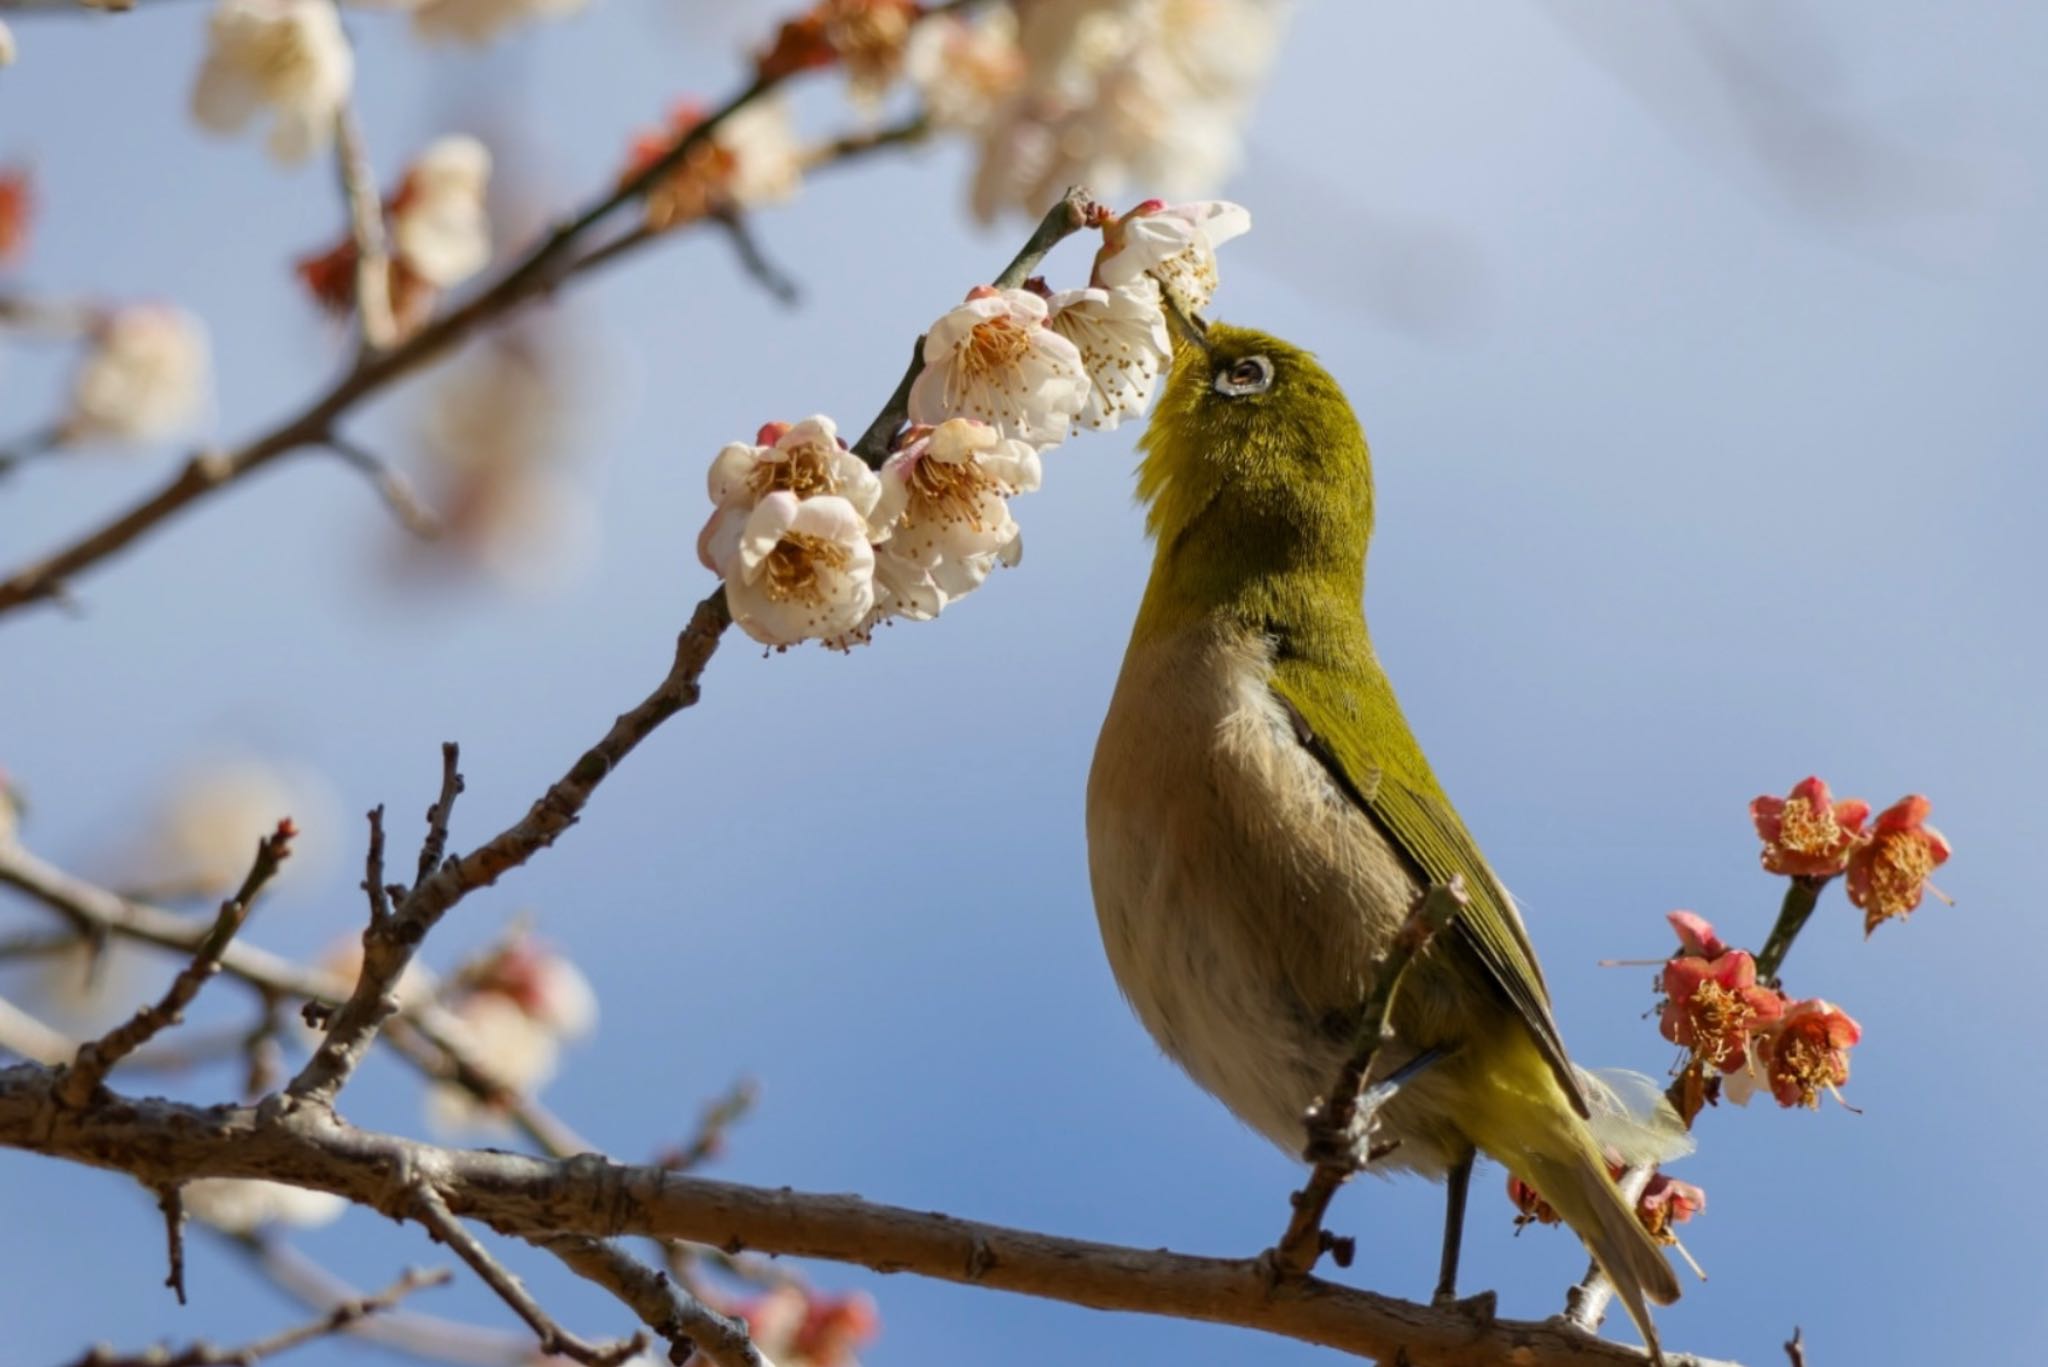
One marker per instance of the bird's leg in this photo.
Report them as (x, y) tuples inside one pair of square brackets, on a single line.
[(1346, 1140), (1457, 1185)]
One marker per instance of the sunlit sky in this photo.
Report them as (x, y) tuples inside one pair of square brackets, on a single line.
[(1699, 347)]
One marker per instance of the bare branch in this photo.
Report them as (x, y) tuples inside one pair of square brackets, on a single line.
[(170, 1200), (1338, 1124), (337, 1320), (366, 226), (98, 1057), (430, 1210), (753, 260), (666, 1308), (721, 1115), (373, 869), (435, 846), (1795, 1348), (26, 1037), (391, 486), (157, 1140), (414, 1332)]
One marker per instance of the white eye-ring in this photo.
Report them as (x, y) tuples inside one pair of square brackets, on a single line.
[(1252, 375)]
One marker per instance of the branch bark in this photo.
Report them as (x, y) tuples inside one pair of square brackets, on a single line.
[(157, 1141)]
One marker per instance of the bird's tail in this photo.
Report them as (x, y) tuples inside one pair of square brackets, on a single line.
[(1530, 1128)]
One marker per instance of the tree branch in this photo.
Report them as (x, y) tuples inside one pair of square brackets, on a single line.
[(366, 225), (97, 1058), (668, 1309), (156, 1140), (391, 486)]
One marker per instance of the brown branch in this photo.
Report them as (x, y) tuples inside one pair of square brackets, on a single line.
[(682, 1320), (366, 225), (1339, 1130), (753, 260), (430, 1210), (434, 847), (170, 1200), (336, 1320), (1795, 1348), (852, 147), (373, 869), (97, 1057), (156, 1140)]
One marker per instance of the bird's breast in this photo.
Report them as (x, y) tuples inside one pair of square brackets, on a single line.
[(1243, 898)]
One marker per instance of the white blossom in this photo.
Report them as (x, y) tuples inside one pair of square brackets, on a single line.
[(794, 569), (1124, 344), (439, 226), (994, 359), (946, 495), (768, 163), (540, 981), (511, 1046), (240, 1205), (805, 458), (6, 44), (207, 823), (144, 378), (289, 56), (479, 21), (1175, 244), (965, 70)]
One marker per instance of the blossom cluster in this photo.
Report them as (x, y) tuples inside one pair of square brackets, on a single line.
[(440, 235), (1808, 834), (813, 544)]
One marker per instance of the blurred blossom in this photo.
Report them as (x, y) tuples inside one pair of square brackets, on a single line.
[(1124, 343), (343, 961), (795, 1326), (750, 159), (208, 821), (143, 377), (496, 440), (479, 21), (1889, 873), (994, 359), (512, 1010), (1174, 244), (540, 981), (287, 56), (242, 1205), (440, 235), (17, 208), (1807, 832), (794, 569), (866, 37), (1123, 92), (965, 70), (1530, 1207), (6, 44), (1665, 1202)]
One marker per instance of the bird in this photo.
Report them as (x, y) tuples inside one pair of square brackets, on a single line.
[(1261, 820)]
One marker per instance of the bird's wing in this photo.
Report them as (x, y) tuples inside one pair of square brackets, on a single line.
[(1403, 798)]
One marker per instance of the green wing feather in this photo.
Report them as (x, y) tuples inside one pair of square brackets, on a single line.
[(1359, 735)]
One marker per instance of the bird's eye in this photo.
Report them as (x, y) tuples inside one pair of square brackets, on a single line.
[(1252, 375)]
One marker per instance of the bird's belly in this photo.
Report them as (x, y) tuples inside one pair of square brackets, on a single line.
[(1243, 899)]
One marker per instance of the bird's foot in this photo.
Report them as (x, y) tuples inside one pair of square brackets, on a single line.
[(1478, 1307)]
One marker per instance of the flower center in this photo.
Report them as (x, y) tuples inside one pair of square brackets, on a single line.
[(949, 491), (1809, 828), (796, 568), (806, 474), (1901, 868), (994, 347), (1720, 1021), (1808, 1066)]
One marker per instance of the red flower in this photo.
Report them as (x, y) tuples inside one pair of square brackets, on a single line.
[(1696, 935), (835, 1327), (1534, 1209), (867, 35), (1713, 1006), (17, 205), (1888, 874), (1665, 1202), (1807, 832), (1808, 1053)]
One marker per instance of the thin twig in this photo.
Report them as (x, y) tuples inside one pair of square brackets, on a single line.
[(430, 1210), (366, 226), (674, 1314), (851, 147), (97, 1057), (434, 847), (1795, 1348), (708, 1142), (753, 260), (27, 1037), (1336, 1128), (339, 1319), (391, 486), (171, 1201)]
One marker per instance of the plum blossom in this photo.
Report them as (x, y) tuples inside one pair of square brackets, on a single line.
[(238, 1205), (994, 359), (1175, 244), (1807, 833), (807, 459), (1124, 343), (7, 52), (794, 569), (1809, 1053), (287, 56), (477, 22), (945, 494), (439, 227), (144, 378), (1712, 1007), (208, 820), (750, 159), (795, 1326), (1530, 1207), (1889, 873), (540, 981), (1696, 935), (1665, 1202), (514, 1048), (867, 37), (17, 209), (965, 69)]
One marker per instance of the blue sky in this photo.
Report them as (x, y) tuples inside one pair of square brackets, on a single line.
[(1699, 348)]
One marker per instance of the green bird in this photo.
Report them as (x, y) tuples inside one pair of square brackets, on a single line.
[(1261, 821)]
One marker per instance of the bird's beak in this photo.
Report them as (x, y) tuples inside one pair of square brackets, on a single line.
[(1188, 326)]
